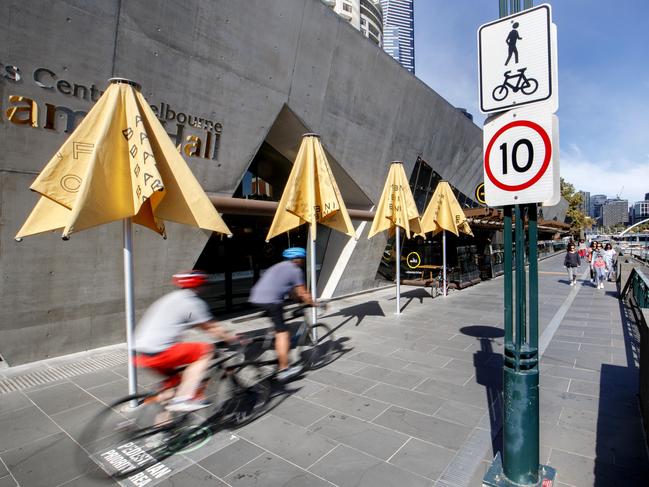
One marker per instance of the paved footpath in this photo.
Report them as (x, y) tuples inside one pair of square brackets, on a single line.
[(414, 402)]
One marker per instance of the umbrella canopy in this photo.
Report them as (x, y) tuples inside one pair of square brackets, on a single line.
[(444, 213), (396, 207), (311, 194), (119, 163)]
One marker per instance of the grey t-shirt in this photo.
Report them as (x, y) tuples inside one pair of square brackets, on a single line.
[(276, 283), (167, 319)]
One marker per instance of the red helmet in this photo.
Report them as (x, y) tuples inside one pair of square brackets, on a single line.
[(187, 280)]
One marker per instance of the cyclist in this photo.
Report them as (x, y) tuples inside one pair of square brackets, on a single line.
[(269, 293), (159, 346)]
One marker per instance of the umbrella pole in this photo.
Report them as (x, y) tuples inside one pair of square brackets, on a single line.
[(398, 264), (314, 310), (444, 259), (130, 306)]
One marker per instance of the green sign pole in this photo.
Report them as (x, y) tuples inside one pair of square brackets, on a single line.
[(519, 465)]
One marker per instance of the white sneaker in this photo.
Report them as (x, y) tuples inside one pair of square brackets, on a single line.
[(572, 283), (289, 373), (187, 406)]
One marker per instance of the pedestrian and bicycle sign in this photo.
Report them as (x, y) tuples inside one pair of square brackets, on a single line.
[(516, 60), (518, 162)]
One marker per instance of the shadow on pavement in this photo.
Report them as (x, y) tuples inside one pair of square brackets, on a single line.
[(410, 296), (621, 451), (358, 312), (488, 373)]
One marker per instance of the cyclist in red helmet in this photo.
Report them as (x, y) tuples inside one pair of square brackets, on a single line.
[(158, 339), (269, 292)]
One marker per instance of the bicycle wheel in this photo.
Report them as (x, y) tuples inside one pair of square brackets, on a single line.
[(530, 87), (324, 350), (125, 440), (500, 92), (248, 402)]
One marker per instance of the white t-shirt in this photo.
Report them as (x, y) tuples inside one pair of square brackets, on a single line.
[(167, 319)]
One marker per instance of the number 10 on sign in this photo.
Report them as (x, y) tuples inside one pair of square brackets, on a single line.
[(518, 166)]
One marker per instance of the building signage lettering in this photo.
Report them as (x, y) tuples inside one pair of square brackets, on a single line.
[(22, 110)]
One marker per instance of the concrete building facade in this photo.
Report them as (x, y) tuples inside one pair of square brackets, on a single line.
[(585, 202), (597, 202), (615, 212), (640, 211), (236, 84)]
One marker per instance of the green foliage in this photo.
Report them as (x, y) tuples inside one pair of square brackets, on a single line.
[(574, 216)]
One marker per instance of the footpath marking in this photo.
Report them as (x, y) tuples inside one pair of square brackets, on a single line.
[(459, 472)]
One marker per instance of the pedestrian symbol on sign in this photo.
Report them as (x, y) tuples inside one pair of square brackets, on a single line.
[(511, 42)]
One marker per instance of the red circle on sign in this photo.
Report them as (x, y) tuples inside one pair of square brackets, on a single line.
[(546, 160)]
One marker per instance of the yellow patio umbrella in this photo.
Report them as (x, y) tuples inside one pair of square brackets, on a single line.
[(444, 213), (396, 210), (119, 164), (311, 196)]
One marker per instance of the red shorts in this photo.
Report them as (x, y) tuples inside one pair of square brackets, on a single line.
[(168, 361)]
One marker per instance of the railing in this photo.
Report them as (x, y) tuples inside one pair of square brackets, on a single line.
[(636, 293)]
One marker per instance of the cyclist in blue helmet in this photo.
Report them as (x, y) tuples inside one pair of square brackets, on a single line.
[(269, 292)]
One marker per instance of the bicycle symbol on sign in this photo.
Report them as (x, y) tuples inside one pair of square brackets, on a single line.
[(517, 82)]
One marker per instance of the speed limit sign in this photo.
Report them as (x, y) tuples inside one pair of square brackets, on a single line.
[(518, 163)]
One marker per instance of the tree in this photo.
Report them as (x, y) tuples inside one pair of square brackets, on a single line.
[(574, 216)]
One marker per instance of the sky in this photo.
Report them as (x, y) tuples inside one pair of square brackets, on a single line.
[(603, 50)]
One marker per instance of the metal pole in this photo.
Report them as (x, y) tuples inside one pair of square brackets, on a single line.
[(508, 304), (398, 264), (444, 261), (314, 291), (129, 304)]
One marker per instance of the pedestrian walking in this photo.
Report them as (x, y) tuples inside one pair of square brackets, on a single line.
[(589, 257), (599, 265), (609, 257), (582, 249), (572, 262)]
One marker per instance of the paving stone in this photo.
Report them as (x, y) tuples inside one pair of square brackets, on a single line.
[(193, 476), (584, 387), (230, 458), (299, 411), (572, 373), (60, 397), (346, 382), (404, 379), (430, 359), (110, 392), (75, 421), (417, 401), (380, 360), (291, 442), (348, 403), (579, 418), (47, 461), (458, 412), (304, 387), (423, 458), (472, 394), (268, 470), (345, 466), (434, 430), (95, 379), (12, 401), (554, 383), (362, 435), (7, 481), (24, 426), (345, 366)]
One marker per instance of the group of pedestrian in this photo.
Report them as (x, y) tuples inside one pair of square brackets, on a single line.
[(601, 261)]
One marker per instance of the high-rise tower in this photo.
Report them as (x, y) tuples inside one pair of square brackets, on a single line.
[(399, 31)]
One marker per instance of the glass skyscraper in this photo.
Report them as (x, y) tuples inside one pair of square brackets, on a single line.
[(399, 31)]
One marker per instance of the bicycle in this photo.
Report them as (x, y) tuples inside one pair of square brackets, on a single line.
[(522, 83), (135, 433), (312, 346)]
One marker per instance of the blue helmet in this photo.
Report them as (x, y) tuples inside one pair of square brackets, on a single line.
[(294, 253)]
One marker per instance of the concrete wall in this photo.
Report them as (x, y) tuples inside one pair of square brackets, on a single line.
[(238, 63)]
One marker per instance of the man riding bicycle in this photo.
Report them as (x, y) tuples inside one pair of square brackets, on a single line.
[(269, 293), (158, 339)]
